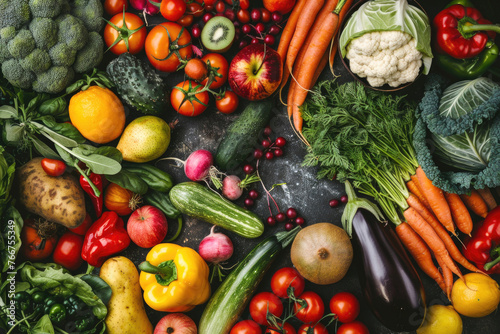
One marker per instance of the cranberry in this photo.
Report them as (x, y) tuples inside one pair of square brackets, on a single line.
[(248, 169), (243, 43), (334, 203), (253, 194), (266, 143), (291, 213), (248, 202), (260, 27), (280, 141), (207, 17), (274, 30), (280, 217), (271, 221), (267, 131), (255, 15), (229, 13), (269, 40), (246, 29), (299, 221), (278, 152), (344, 199), (288, 226), (257, 154), (196, 31), (255, 41), (277, 17), (269, 155)]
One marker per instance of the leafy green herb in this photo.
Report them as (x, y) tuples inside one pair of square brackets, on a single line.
[(129, 180)]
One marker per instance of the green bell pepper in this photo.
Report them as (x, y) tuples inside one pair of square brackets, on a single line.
[(86, 323), (49, 302), (467, 69), (57, 314), (74, 306), (155, 178), (23, 301)]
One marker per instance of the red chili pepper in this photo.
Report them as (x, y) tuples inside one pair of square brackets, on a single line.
[(483, 248), (106, 237), (462, 32), (97, 199)]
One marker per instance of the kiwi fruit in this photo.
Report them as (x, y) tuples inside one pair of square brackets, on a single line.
[(218, 34)]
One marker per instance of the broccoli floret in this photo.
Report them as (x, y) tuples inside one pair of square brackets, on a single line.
[(45, 8), (62, 55), (90, 12), (37, 61), (22, 44), (4, 51), (91, 55), (7, 33), (44, 32), (72, 32), (15, 13), (55, 80), (17, 76)]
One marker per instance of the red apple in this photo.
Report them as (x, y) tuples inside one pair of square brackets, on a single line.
[(176, 323), (282, 6), (147, 226), (255, 72)]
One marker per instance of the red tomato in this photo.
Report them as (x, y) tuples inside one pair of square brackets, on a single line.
[(68, 251), (172, 10), (83, 228), (191, 106), (246, 327), (356, 327), (113, 7), (243, 16), (319, 328), (195, 9), (227, 104), (346, 306), (314, 309), (220, 7), (125, 23), (209, 2), (263, 302), (161, 50), (196, 69), (244, 4), (218, 64), (287, 327), (186, 20), (53, 167), (35, 246), (283, 279)]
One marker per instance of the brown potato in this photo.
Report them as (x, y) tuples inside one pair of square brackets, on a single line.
[(56, 199)]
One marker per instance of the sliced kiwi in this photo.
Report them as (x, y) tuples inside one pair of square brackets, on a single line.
[(218, 34)]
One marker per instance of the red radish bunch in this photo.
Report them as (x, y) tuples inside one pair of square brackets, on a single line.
[(216, 248)]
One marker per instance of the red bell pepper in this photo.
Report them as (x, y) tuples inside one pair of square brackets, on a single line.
[(462, 32), (95, 194), (106, 237), (483, 248)]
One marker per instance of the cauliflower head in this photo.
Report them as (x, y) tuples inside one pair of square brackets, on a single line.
[(385, 57)]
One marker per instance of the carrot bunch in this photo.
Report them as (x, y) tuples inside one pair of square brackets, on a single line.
[(306, 47)]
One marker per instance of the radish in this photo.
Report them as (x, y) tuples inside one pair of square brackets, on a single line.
[(146, 6), (216, 248), (232, 185)]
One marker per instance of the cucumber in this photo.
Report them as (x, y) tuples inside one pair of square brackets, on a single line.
[(230, 299), (196, 200), (242, 135)]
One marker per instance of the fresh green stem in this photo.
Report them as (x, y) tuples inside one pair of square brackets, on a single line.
[(89, 269), (151, 269), (491, 264), (96, 191), (179, 228), (339, 7), (481, 27)]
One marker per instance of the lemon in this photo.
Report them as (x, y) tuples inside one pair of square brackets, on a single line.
[(478, 298), (441, 319)]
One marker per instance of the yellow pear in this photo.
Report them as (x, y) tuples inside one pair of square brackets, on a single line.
[(144, 139)]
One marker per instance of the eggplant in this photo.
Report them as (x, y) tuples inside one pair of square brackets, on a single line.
[(389, 281)]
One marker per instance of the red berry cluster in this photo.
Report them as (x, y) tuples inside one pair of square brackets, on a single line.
[(335, 202), (290, 218)]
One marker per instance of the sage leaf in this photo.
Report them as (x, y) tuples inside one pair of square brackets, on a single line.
[(44, 149), (14, 133), (7, 112)]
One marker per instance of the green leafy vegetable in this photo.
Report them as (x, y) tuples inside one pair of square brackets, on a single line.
[(129, 180), (11, 224), (43, 326), (390, 15)]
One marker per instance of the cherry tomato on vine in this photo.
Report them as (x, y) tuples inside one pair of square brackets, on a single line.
[(313, 311), (53, 167), (186, 101), (243, 16), (346, 306), (287, 327), (196, 69), (167, 42), (284, 278), (220, 7), (246, 327), (319, 328), (83, 227), (186, 20), (125, 29), (172, 10), (219, 62), (355, 327), (228, 103), (263, 302), (113, 7), (195, 9), (36, 244), (68, 251)]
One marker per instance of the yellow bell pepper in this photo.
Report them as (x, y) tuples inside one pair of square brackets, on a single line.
[(174, 278)]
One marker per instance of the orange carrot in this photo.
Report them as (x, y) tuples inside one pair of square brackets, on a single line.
[(289, 29), (413, 188), (447, 276), (441, 232), (459, 212), (421, 197), (475, 203), (342, 14), (426, 232), (436, 200), (321, 66), (420, 252), (304, 23), (488, 198)]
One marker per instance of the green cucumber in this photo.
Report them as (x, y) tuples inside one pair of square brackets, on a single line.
[(196, 200), (230, 299), (242, 135)]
